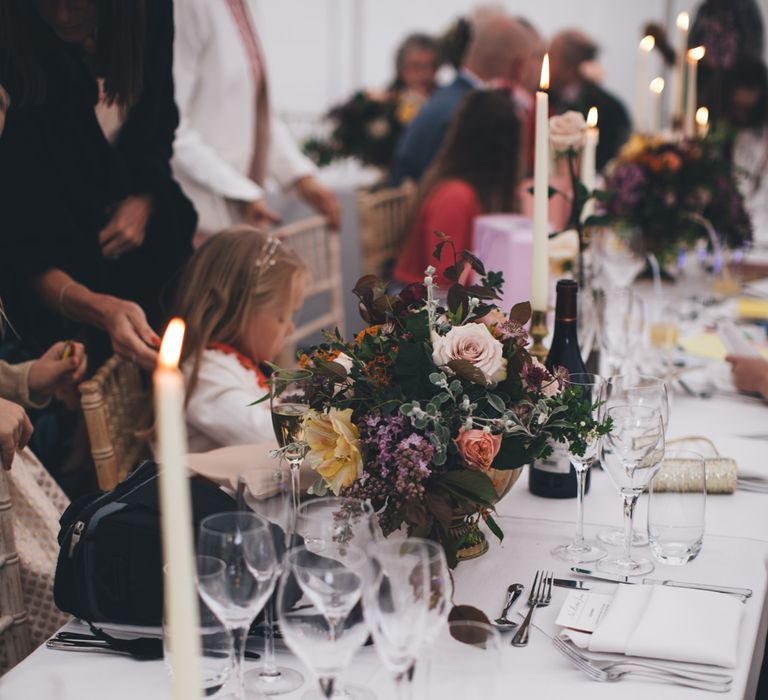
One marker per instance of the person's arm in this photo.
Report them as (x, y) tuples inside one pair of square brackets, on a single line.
[(124, 321), (750, 374), (15, 431)]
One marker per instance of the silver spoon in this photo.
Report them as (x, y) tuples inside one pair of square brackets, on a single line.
[(513, 593)]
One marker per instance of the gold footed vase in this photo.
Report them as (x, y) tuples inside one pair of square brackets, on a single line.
[(465, 527)]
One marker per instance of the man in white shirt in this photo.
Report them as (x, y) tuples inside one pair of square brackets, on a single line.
[(227, 143)]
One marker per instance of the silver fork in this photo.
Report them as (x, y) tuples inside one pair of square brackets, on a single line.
[(540, 597), (615, 674), (606, 664)]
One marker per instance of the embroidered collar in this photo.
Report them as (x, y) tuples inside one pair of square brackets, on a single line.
[(244, 360)]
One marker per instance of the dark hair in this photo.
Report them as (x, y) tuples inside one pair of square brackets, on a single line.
[(482, 147), (420, 42), (752, 75), (119, 51)]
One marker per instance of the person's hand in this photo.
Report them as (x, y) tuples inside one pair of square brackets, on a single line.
[(15, 431), (321, 199), (259, 214), (127, 227), (53, 373), (131, 335), (749, 374)]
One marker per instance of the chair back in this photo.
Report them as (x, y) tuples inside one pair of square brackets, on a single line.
[(318, 248), (383, 219), (15, 632), (117, 405)]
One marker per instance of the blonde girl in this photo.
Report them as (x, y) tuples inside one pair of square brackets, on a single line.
[(237, 295)]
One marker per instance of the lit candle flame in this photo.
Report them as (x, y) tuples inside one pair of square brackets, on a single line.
[(683, 21), (647, 43), (170, 348), (544, 84), (592, 117), (657, 85), (696, 54), (702, 116)]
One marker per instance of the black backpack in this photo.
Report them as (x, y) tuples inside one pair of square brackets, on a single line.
[(110, 566)]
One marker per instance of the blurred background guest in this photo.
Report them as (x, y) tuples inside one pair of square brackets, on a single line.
[(416, 63), (476, 171), (228, 143), (750, 374), (498, 51), (575, 85)]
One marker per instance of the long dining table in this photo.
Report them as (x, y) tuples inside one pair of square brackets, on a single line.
[(735, 553)]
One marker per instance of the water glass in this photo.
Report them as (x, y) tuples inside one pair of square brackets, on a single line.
[(676, 507)]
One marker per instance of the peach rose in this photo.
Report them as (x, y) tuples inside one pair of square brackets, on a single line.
[(473, 343), (478, 448)]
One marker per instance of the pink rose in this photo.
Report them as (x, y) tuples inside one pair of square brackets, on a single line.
[(478, 448), (473, 343)]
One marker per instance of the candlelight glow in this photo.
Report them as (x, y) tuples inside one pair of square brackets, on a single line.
[(696, 54), (544, 84), (647, 43), (683, 21), (170, 348), (702, 116), (592, 117), (657, 85)]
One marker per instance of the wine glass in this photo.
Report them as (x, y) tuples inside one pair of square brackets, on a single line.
[(327, 628), (663, 332), (275, 504), (289, 402), (337, 520), (623, 318), (635, 390), (590, 387), (396, 605), (636, 442), (235, 575)]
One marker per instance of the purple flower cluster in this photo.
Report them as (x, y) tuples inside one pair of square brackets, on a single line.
[(628, 181), (512, 330)]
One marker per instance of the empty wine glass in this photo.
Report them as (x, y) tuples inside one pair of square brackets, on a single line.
[(636, 443), (321, 619), (623, 319), (289, 395), (619, 259), (635, 390), (590, 387), (337, 520), (235, 575), (275, 504), (396, 605)]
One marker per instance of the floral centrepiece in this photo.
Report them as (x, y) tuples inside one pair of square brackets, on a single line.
[(676, 192), (420, 412)]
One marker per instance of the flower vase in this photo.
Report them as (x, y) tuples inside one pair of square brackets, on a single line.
[(465, 527)]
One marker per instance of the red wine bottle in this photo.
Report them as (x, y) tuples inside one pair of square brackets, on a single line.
[(554, 476)]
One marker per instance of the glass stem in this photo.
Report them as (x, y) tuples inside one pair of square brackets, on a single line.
[(270, 667), (581, 485), (403, 686), (295, 487), (629, 515), (239, 636)]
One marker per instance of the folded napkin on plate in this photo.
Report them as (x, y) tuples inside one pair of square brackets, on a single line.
[(675, 624)]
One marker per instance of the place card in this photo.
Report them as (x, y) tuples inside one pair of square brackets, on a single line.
[(583, 610)]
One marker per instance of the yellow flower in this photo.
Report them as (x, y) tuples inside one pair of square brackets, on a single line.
[(334, 447)]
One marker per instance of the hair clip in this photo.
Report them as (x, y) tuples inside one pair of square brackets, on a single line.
[(267, 258)]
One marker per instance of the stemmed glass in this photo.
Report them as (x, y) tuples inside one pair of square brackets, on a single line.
[(337, 520), (276, 506), (326, 632), (289, 402), (591, 387), (623, 319), (636, 443), (396, 605), (235, 575), (634, 390)]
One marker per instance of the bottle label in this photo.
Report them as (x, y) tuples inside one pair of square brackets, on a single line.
[(558, 462)]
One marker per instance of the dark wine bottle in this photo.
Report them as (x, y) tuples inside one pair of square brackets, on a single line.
[(554, 477)]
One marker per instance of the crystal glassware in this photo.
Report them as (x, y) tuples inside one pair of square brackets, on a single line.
[(235, 575), (579, 551), (632, 452), (337, 520), (623, 319)]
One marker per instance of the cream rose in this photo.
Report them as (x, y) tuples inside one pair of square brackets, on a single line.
[(473, 343), (334, 447), (567, 131), (478, 448)]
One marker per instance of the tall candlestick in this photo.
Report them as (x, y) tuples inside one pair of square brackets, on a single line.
[(656, 87), (693, 58), (641, 96), (181, 606), (683, 22), (540, 262), (588, 160), (702, 122)]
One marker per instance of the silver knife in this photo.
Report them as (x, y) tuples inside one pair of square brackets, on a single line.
[(570, 583), (741, 592)]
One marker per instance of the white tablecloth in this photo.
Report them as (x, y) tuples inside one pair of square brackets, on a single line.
[(735, 553)]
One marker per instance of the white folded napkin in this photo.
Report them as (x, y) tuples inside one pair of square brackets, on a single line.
[(662, 622)]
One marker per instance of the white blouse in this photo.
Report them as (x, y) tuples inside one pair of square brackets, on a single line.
[(750, 160), (218, 412)]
